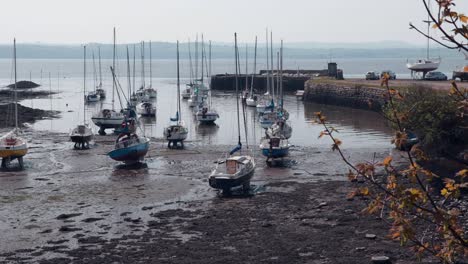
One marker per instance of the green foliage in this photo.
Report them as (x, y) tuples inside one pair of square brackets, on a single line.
[(434, 117)]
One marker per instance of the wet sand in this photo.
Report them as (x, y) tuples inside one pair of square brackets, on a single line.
[(82, 207)]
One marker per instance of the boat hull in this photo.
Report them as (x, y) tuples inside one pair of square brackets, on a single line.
[(80, 138), (251, 102), (107, 122), (130, 154), (275, 152), (226, 183), (12, 153)]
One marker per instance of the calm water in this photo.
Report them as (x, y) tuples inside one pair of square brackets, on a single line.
[(167, 68), (357, 128)]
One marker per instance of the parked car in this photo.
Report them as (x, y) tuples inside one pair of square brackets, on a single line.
[(372, 76), (391, 74), (460, 75), (435, 76)]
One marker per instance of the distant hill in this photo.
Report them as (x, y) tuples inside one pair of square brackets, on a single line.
[(165, 50)]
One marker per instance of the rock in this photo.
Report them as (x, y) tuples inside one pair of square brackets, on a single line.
[(125, 213), (145, 208), (267, 225), (69, 229), (381, 260), (66, 216), (349, 211), (92, 219), (370, 236), (360, 248)]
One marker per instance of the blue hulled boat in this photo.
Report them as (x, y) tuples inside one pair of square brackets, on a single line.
[(275, 147), (129, 148)]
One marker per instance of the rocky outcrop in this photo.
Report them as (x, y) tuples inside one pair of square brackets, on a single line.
[(24, 85), (336, 93)]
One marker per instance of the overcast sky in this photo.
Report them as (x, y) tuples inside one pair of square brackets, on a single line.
[(72, 21)]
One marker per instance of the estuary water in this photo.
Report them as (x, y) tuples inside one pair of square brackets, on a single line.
[(357, 128)]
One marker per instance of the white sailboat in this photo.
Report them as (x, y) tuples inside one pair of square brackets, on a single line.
[(12, 146), (424, 65), (252, 99), (82, 134), (238, 168), (109, 118), (176, 132), (92, 96), (204, 113), (99, 90), (189, 86), (150, 92), (266, 102)]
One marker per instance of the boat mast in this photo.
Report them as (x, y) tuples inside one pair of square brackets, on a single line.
[(209, 72), (151, 66), (100, 71), (16, 86), (129, 77), (271, 66), (190, 59), (94, 73), (254, 69), (143, 64), (178, 87), (134, 68), (281, 75), (113, 67), (277, 76), (268, 63), (246, 68), (84, 83), (202, 56), (236, 52), (196, 57)]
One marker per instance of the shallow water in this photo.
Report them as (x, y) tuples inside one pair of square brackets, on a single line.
[(357, 128)]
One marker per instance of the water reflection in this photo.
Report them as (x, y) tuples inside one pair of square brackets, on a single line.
[(358, 128)]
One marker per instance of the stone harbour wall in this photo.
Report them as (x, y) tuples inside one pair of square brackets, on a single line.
[(356, 96)]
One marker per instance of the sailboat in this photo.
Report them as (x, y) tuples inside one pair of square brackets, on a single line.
[(266, 104), (92, 96), (238, 168), (99, 90), (252, 99), (12, 146), (177, 131), (82, 134), (199, 90), (109, 118), (189, 86), (205, 114), (150, 91), (424, 65), (145, 107), (129, 147), (275, 144), (281, 127)]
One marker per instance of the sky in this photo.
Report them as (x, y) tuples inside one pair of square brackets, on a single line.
[(84, 21)]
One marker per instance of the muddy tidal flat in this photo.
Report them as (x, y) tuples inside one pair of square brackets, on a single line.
[(72, 206)]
